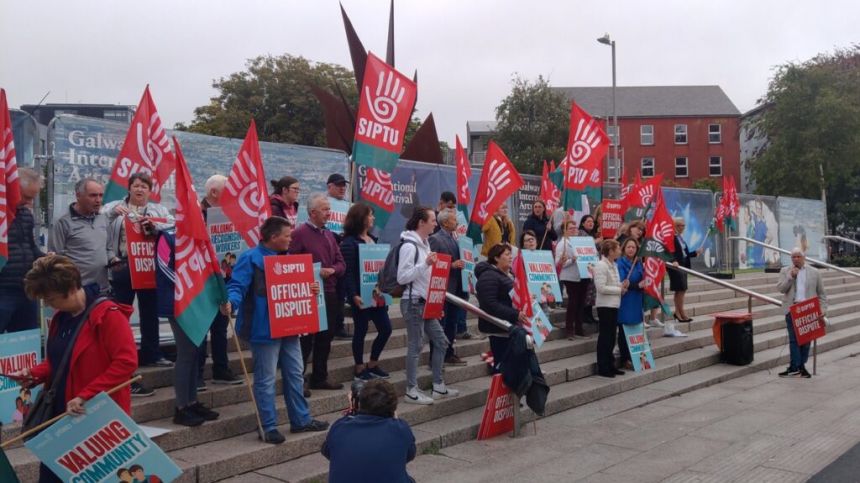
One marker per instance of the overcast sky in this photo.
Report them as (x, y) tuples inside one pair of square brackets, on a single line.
[(465, 51)]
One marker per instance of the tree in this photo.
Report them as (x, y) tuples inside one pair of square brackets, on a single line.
[(708, 184), (812, 124), (532, 124), (275, 91)]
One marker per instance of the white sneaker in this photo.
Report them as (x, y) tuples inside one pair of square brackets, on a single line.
[(656, 323), (440, 391), (414, 396), (647, 325)]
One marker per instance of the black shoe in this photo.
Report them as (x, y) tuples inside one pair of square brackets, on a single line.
[(139, 390), (187, 417), (804, 373), (619, 372), (226, 377), (273, 437), (789, 373), (199, 409), (610, 375), (201, 385), (379, 372), (313, 426), (326, 385)]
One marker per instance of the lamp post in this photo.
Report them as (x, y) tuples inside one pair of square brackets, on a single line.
[(606, 41)]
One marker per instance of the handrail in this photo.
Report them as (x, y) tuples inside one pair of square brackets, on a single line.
[(842, 239), (723, 283), (788, 252), (469, 307)]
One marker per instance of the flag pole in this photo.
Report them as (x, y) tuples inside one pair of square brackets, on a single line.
[(248, 381), (641, 245), (53, 420)]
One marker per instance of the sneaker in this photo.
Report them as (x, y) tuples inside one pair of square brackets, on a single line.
[(789, 373), (187, 417), (273, 437), (465, 335), (379, 372), (414, 396), (226, 377), (139, 390), (201, 385), (329, 386), (454, 361), (440, 391), (647, 325), (312, 427), (804, 373), (159, 363), (199, 409), (656, 323), (365, 376)]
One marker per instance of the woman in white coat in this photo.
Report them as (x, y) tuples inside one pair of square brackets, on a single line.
[(609, 289)]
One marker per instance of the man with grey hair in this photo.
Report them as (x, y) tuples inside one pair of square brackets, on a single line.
[(17, 311), (313, 238), (81, 233), (799, 282), (443, 241)]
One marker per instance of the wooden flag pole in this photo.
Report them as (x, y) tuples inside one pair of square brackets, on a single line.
[(53, 420), (248, 381)]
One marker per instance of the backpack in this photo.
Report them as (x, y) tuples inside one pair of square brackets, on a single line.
[(387, 278)]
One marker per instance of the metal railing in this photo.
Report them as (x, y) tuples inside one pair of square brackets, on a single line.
[(842, 239), (749, 293), (788, 252)]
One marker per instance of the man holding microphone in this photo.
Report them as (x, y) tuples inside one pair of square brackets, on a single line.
[(799, 282)]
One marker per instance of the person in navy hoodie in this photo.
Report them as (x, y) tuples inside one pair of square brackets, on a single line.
[(373, 445)]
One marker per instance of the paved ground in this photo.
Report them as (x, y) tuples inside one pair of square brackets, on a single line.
[(758, 428)]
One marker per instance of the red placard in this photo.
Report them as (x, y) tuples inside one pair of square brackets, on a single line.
[(292, 305), (140, 248), (435, 304), (611, 217), (387, 98), (499, 412), (807, 320)]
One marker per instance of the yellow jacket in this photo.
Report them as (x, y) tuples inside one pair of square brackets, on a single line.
[(493, 234)]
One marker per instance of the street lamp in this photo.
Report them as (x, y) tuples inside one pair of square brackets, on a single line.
[(606, 41)]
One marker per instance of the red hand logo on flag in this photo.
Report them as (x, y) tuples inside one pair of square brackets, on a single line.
[(661, 228), (655, 270), (244, 198), (387, 98), (464, 172), (499, 179), (586, 148), (377, 187)]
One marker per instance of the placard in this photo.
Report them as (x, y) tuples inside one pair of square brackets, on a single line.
[(100, 446), (336, 216), (586, 254), (498, 415), (542, 277), (438, 286), (323, 314), (18, 350), (292, 305), (140, 249), (371, 257), (640, 348), (467, 254), (807, 320), (539, 325), (611, 217), (226, 240)]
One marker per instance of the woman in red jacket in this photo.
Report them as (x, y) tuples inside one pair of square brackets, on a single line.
[(104, 354)]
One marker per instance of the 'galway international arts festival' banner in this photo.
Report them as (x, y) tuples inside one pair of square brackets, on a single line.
[(101, 446)]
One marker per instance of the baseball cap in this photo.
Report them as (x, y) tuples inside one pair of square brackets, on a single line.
[(337, 179)]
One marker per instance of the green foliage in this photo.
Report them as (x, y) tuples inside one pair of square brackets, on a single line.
[(812, 122), (276, 92), (532, 124), (707, 184)]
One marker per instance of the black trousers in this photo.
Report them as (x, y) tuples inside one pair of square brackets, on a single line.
[(319, 344), (607, 332)]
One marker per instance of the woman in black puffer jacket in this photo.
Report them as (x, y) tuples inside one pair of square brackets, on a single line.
[(493, 290)]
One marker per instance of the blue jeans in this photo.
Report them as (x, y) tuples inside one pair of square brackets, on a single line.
[(287, 354), (799, 354), (416, 328), (449, 326), (17, 312)]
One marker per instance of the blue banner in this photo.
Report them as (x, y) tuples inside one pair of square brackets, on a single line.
[(468, 255), (640, 348), (101, 445), (371, 257), (757, 220), (18, 350), (542, 277), (696, 207), (25, 132), (802, 224)]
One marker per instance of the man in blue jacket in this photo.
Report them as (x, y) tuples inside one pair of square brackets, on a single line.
[(247, 292)]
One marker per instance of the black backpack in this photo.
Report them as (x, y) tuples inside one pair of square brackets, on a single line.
[(387, 278)]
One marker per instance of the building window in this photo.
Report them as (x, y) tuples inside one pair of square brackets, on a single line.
[(611, 132), (614, 171), (715, 135), (681, 168), (715, 166), (680, 134), (116, 115), (646, 134), (647, 167)]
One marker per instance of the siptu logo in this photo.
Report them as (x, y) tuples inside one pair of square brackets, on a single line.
[(586, 139), (245, 175), (500, 177), (152, 145), (389, 93), (646, 194), (663, 230)]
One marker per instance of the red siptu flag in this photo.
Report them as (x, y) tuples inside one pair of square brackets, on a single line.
[(549, 192), (199, 284), (642, 194), (244, 199), (520, 296), (499, 180), (586, 149), (378, 189), (655, 270), (10, 185), (145, 149), (661, 227), (464, 172)]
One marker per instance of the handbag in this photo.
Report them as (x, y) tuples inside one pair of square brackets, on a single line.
[(43, 406)]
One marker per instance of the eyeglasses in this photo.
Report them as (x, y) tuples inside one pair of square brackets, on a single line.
[(295, 189)]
